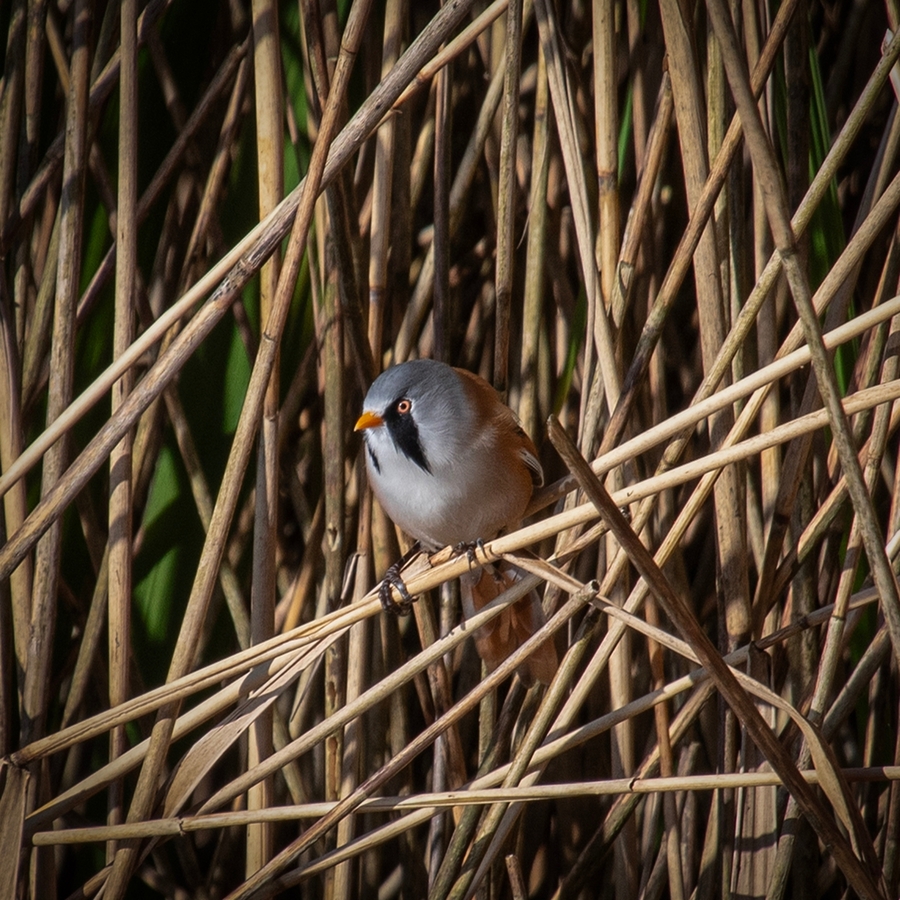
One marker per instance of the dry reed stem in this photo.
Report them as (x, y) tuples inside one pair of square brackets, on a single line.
[(121, 511), (270, 161), (172, 827)]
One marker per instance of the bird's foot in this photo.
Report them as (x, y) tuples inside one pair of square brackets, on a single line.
[(471, 550), (393, 579)]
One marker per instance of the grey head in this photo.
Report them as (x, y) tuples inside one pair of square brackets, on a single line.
[(424, 413)]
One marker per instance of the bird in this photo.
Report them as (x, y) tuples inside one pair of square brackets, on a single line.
[(451, 466)]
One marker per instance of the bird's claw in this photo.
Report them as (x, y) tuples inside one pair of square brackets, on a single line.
[(393, 579), (470, 548)]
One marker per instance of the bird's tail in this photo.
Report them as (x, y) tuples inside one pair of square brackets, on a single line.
[(509, 630)]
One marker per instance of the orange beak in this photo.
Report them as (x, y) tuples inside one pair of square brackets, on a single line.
[(368, 420)]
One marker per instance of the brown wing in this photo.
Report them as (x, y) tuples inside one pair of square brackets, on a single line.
[(528, 452), (490, 406)]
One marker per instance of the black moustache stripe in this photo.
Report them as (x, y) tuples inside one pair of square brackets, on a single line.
[(405, 433), (373, 457)]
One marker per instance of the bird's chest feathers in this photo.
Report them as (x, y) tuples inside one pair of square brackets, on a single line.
[(460, 496)]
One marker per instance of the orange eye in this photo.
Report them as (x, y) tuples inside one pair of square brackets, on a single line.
[(404, 406)]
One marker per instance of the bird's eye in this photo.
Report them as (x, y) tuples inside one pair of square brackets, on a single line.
[(404, 406)]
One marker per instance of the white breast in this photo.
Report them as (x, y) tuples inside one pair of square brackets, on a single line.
[(465, 497)]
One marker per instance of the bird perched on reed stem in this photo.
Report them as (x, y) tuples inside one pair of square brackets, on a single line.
[(450, 464)]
